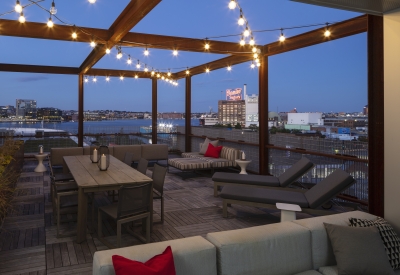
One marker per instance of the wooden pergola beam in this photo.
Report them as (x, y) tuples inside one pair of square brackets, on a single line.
[(38, 69), (338, 30), (118, 73), (131, 39), (130, 16)]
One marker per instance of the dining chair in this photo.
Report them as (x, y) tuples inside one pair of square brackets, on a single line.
[(133, 204), (142, 166), (159, 173), (128, 159)]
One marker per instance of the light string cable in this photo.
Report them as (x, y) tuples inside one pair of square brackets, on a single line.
[(25, 6)]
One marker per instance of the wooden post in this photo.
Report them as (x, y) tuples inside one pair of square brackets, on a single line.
[(80, 111), (375, 116), (263, 115), (154, 111), (188, 114)]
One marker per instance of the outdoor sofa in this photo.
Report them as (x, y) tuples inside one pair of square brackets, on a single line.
[(299, 247)]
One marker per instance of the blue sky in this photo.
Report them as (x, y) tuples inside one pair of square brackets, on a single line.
[(327, 77)]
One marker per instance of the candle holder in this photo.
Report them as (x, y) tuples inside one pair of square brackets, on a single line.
[(94, 151), (104, 158)]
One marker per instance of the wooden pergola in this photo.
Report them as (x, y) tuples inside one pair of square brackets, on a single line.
[(119, 34)]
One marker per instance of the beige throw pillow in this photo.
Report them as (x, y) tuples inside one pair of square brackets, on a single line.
[(204, 148)]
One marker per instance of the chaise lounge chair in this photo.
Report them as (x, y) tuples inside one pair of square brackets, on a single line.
[(321, 193), (289, 176)]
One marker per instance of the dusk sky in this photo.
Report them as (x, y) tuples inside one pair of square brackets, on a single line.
[(327, 77)]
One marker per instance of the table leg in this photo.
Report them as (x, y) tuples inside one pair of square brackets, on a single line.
[(82, 216)]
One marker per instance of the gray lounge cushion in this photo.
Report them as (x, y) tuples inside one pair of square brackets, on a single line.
[(204, 147), (246, 179), (358, 250), (295, 171), (262, 195), (328, 188)]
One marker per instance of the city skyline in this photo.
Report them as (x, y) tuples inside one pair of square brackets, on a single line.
[(335, 80)]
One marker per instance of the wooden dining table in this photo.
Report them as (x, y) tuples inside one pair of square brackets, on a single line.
[(90, 179)]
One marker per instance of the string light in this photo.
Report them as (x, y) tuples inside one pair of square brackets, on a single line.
[(255, 55), (18, 7), (21, 18), (254, 50), (93, 43), (145, 68), (108, 51), (119, 54), (327, 32), (232, 4), (257, 60), (252, 65), (206, 45), (136, 76), (242, 42), (94, 79), (121, 77), (241, 20), (50, 23), (207, 70), (169, 73), (86, 79), (138, 64), (258, 64), (175, 52), (107, 79), (252, 42), (74, 34), (163, 77), (246, 32), (187, 71), (229, 68), (158, 75), (129, 61), (146, 52), (92, 1), (282, 37), (53, 9), (152, 72)]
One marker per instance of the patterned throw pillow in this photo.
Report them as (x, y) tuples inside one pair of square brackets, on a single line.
[(389, 237)]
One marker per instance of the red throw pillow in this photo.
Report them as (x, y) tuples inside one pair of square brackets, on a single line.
[(213, 151), (162, 264)]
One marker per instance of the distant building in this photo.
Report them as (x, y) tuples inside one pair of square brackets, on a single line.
[(365, 110), (49, 114), (7, 111), (303, 121), (233, 110), (25, 108), (170, 115), (251, 102)]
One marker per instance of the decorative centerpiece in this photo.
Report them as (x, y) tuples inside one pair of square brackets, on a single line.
[(242, 155), (94, 151), (40, 149), (104, 158)]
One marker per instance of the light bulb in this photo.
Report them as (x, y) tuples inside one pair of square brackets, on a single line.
[(74, 35), (158, 75), (86, 79), (257, 60), (327, 33), (242, 42), (145, 69), (138, 65), (119, 54), (92, 44), (207, 46), (94, 79), (169, 73), (53, 9), (121, 77), (232, 4), (241, 20), (282, 37), (252, 42), (21, 18), (254, 50), (18, 7), (246, 32), (255, 55), (50, 23), (136, 76), (252, 65), (146, 52), (187, 72), (108, 51), (207, 70), (92, 1), (107, 79), (229, 68), (163, 77), (258, 64), (152, 72), (129, 61), (175, 52)]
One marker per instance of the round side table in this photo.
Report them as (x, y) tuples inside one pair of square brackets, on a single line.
[(243, 164), (40, 167)]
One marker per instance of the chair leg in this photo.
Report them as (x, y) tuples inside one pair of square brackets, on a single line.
[(148, 229), (162, 209), (119, 234), (99, 225)]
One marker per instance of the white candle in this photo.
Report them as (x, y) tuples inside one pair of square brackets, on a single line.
[(103, 162), (243, 155), (95, 155), (41, 150)]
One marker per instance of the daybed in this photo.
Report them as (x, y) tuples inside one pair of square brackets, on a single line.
[(299, 247)]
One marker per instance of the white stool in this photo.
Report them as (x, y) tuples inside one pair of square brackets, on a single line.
[(40, 168)]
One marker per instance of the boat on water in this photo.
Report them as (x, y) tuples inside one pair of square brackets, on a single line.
[(208, 119)]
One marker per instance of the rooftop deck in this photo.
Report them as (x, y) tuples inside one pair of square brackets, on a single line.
[(28, 243)]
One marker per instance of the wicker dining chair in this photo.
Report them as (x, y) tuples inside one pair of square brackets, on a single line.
[(142, 166), (133, 204)]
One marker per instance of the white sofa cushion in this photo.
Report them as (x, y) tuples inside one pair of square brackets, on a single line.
[(322, 252), (276, 249), (194, 256)]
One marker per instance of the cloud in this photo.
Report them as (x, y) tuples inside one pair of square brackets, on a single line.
[(31, 78)]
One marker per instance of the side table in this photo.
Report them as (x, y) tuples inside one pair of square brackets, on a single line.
[(243, 164), (40, 167)]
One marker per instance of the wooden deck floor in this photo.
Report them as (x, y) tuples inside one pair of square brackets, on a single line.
[(28, 243)]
